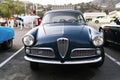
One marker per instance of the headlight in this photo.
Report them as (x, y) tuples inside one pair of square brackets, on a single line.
[(28, 40), (98, 41)]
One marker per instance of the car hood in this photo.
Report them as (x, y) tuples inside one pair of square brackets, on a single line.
[(77, 34), (64, 29)]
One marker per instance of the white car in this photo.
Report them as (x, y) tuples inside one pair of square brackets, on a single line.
[(102, 19)]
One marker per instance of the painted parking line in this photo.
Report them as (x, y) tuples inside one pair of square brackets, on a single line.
[(8, 59), (113, 59)]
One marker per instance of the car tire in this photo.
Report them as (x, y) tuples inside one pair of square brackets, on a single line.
[(97, 21), (34, 66), (103, 34), (106, 44), (7, 44), (100, 63)]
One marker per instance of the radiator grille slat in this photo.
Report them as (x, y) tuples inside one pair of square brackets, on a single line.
[(82, 53), (43, 52), (63, 44)]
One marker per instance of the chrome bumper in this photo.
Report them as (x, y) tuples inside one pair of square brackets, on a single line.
[(66, 62)]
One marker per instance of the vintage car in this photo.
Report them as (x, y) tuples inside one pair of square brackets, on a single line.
[(63, 37), (102, 19), (111, 33), (6, 37)]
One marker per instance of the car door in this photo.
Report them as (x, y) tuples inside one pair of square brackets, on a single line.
[(106, 19)]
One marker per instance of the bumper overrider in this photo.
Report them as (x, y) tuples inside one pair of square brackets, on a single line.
[(77, 56)]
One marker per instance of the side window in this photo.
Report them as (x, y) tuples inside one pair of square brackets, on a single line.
[(102, 16), (98, 17), (80, 19)]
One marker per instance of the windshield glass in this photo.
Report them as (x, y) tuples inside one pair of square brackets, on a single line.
[(63, 17)]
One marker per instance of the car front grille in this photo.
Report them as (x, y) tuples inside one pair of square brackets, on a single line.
[(83, 52), (62, 44), (42, 52)]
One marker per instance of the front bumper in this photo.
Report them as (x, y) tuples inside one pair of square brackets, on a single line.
[(95, 60)]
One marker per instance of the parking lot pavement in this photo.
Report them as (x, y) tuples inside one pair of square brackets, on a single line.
[(17, 44), (18, 36), (18, 69)]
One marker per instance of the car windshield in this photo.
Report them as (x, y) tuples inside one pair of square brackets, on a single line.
[(63, 17)]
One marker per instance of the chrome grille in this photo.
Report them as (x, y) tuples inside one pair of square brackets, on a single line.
[(43, 52), (63, 44), (83, 52)]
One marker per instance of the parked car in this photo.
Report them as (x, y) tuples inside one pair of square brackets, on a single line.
[(111, 33), (6, 37), (90, 15), (102, 19), (63, 37)]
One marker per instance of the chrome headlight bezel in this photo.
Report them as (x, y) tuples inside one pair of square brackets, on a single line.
[(28, 40), (97, 41)]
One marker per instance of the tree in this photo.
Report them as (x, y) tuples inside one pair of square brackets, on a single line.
[(18, 8), (10, 7)]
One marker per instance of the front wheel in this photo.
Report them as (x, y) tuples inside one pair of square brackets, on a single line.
[(97, 21), (7, 44), (34, 66), (104, 38), (100, 63)]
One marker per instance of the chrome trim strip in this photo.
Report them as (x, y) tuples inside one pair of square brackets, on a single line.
[(43, 56), (66, 62), (83, 49), (42, 48)]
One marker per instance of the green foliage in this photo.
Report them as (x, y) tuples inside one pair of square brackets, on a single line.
[(10, 7)]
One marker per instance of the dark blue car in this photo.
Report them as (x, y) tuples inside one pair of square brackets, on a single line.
[(6, 37), (63, 38)]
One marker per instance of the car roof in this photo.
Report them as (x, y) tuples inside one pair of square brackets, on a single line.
[(64, 10)]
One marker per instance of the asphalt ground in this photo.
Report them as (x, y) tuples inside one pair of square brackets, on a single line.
[(17, 44), (16, 68)]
